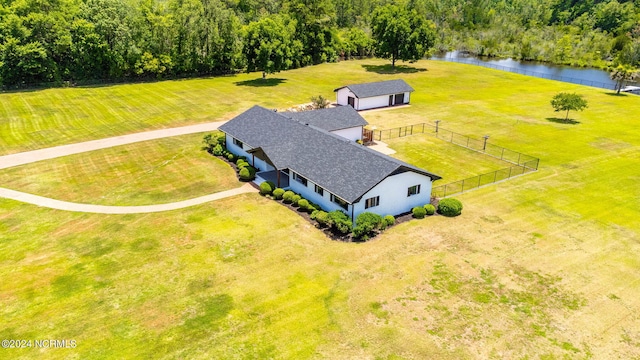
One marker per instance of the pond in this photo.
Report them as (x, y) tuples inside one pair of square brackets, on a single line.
[(582, 76)]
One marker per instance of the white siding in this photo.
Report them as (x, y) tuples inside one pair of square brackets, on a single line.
[(258, 164), (309, 192), (342, 97), (353, 134), (393, 194), (373, 102)]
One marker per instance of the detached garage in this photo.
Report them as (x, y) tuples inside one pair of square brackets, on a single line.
[(374, 95)]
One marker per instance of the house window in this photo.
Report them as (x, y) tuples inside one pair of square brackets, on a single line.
[(237, 142), (413, 190), (343, 204), (300, 179), (319, 190), (371, 202)]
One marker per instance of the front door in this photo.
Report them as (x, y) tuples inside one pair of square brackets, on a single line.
[(351, 101), (390, 100)]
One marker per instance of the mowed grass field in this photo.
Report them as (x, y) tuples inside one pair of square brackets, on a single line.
[(144, 173), (543, 266)]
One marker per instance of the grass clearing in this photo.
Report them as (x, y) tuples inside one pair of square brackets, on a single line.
[(149, 172), (540, 266), (452, 162)]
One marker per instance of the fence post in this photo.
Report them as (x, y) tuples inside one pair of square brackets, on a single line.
[(502, 155), (519, 158), (468, 138), (411, 129), (422, 128), (495, 175), (479, 176)]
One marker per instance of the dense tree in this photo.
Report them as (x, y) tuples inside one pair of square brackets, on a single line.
[(621, 74), (315, 29), (401, 34), (567, 102), (269, 45)]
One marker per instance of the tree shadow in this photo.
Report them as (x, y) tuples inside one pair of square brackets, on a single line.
[(261, 82), (387, 69), (616, 94), (563, 121)]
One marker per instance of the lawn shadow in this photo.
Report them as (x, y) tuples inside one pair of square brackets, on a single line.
[(260, 82), (616, 94), (387, 69), (563, 121)]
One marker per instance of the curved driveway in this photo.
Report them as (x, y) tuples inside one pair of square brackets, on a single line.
[(28, 157)]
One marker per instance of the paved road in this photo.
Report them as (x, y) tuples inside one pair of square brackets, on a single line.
[(28, 157)]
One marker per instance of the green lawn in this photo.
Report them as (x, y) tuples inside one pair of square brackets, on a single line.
[(543, 266), (451, 162), (150, 172)]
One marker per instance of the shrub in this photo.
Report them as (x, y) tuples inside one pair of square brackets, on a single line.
[(222, 140), (419, 212), (241, 163), (304, 204), (295, 199), (340, 222), (322, 217), (252, 171), (430, 209), (273, 186), (217, 150), (369, 217), (265, 188), (277, 193), (450, 207), (246, 175), (288, 196), (389, 220), (363, 231), (231, 157)]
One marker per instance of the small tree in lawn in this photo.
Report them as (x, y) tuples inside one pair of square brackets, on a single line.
[(269, 45), (319, 102), (567, 102)]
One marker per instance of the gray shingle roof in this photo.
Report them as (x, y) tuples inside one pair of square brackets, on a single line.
[(378, 88), (331, 119), (340, 166)]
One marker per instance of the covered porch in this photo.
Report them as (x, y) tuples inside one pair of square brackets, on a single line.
[(278, 177)]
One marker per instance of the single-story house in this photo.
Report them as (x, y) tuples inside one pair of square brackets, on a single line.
[(299, 152), (374, 95)]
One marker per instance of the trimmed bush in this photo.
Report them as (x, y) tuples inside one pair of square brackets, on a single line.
[(363, 231), (265, 188), (369, 218), (241, 163), (231, 157), (419, 212), (245, 174), (340, 222), (295, 199), (277, 193), (222, 140), (450, 207), (322, 217), (304, 204), (430, 209), (389, 220), (252, 171), (217, 150), (288, 196), (273, 186)]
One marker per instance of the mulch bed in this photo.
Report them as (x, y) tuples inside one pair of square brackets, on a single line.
[(326, 230)]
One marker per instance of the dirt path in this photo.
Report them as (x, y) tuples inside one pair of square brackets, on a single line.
[(28, 157)]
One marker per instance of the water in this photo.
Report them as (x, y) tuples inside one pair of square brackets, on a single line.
[(582, 76)]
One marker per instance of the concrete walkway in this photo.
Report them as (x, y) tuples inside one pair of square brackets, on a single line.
[(28, 157), (105, 209)]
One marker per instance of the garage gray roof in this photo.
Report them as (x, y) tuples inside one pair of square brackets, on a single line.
[(340, 166), (337, 118), (378, 88)]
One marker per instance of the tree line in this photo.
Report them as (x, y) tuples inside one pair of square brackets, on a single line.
[(44, 41)]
